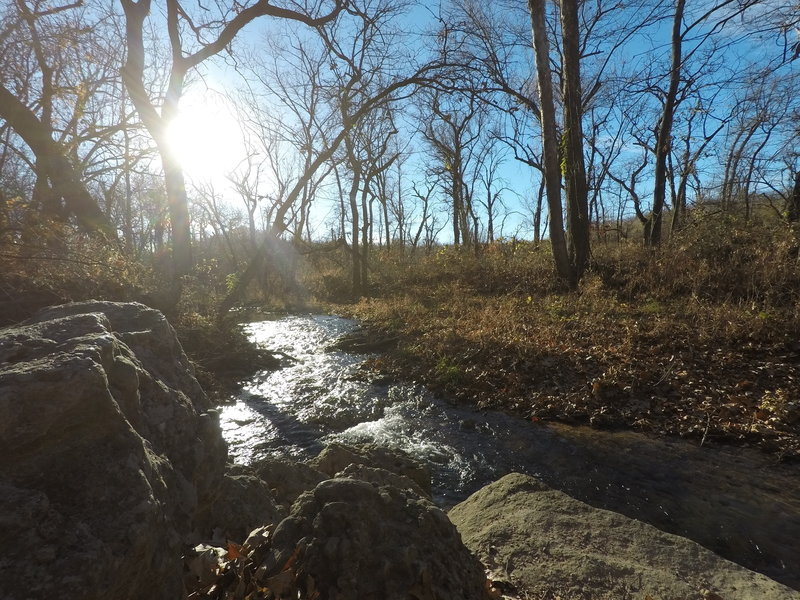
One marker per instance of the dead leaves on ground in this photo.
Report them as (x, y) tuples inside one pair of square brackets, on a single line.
[(245, 572), (664, 372)]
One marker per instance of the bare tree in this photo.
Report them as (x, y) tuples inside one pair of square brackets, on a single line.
[(402, 85), (291, 119), (426, 218), (550, 142), (452, 130), (664, 135), (209, 203), (723, 11), (221, 32), (43, 97)]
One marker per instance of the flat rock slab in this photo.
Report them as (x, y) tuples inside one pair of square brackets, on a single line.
[(545, 542)]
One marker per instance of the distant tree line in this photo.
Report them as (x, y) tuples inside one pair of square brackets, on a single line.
[(380, 123)]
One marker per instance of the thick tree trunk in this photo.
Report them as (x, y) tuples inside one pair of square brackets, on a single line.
[(664, 135), (156, 124), (178, 207), (552, 168), (575, 168), (127, 210), (50, 157)]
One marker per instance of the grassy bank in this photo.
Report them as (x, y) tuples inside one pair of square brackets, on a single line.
[(701, 339)]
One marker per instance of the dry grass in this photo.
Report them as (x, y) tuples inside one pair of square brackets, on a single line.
[(701, 339), (49, 263)]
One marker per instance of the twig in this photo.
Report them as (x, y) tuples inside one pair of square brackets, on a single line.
[(84, 263), (668, 371), (705, 433)]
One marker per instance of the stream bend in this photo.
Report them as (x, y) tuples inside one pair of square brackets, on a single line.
[(736, 502)]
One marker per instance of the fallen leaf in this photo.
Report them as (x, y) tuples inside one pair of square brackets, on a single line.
[(234, 551)]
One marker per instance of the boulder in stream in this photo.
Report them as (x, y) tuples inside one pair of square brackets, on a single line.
[(545, 542), (336, 457), (352, 539)]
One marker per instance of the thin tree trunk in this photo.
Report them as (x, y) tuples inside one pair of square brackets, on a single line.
[(664, 135), (793, 210), (679, 207), (552, 168), (385, 207), (354, 244), (537, 215), (456, 207), (366, 235), (489, 216), (342, 208)]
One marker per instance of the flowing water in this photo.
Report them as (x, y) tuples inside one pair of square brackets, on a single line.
[(737, 502)]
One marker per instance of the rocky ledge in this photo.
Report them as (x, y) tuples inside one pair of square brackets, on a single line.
[(114, 484), (112, 468)]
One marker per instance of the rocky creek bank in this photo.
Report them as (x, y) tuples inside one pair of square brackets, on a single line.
[(115, 484)]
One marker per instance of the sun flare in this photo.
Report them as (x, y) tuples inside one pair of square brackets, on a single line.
[(207, 138)]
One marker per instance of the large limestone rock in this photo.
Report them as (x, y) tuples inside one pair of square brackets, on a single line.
[(109, 459), (353, 539), (547, 543)]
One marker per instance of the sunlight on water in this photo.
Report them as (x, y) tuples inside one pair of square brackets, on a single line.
[(318, 398), (321, 396)]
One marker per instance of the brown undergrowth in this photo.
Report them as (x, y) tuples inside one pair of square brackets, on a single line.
[(700, 340), (49, 263)]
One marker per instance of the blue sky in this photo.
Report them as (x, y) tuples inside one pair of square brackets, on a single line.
[(206, 107)]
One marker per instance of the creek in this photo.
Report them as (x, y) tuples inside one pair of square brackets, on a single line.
[(737, 502)]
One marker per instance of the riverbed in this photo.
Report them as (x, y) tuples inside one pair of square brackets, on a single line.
[(738, 502)]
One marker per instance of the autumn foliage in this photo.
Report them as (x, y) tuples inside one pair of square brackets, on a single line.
[(698, 340)]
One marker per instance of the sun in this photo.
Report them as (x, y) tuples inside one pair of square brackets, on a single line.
[(206, 137)]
